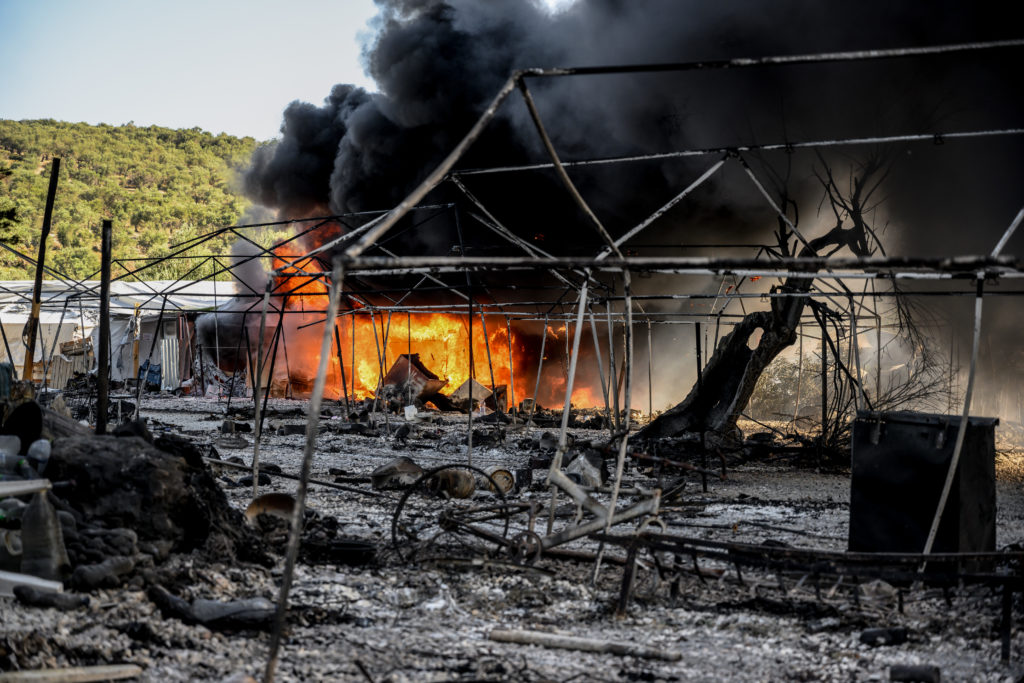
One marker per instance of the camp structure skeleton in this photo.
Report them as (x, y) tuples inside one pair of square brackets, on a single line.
[(473, 431)]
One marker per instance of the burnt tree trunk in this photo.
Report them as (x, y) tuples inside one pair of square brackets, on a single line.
[(733, 370)]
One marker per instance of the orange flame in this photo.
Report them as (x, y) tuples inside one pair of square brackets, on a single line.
[(440, 339)]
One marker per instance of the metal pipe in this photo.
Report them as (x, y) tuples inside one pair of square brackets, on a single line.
[(650, 373), (600, 367), (48, 359), (341, 369), (298, 510), (964, 419), (1008, 234), (149, 358), (741, 267), (664, 209), (540, 367), (561, 172), (7, 348), (824, 389), (511, 369), (775, 60), (487, 346), (620, 461), (472, 373), (256, 412), (238, 350), (739, 149), (408, 357), (556, 461), (613, 384)]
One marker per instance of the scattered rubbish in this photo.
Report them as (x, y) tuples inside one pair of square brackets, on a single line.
[(276, 504), (822, 625), (264, 480), (10, 548), (547, 441), (883, 636), (34, 597), (460, 397), (231, 441), (137, 428), (248, 614), (38, 455), (452, 482), (498, 400), (553, 640), (10, 580), (43, 552), (25, 421), (501, 477), (347, 551), (290, 429), (408, 375), (399, 473), (105, 574), (590, 466), (233, 427), (10, 445), (918, 673), (402, 433)]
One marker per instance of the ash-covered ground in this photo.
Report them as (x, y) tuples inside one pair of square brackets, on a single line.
[(429, 621)]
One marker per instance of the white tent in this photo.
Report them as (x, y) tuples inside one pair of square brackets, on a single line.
[(70, 312)]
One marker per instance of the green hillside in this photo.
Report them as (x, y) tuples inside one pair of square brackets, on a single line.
[(159, 186)]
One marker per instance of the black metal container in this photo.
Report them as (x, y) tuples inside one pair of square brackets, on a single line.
[(899, 466)]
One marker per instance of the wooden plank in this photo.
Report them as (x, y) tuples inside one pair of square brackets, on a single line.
[(74, 674), (8, 580), (22, 488), (553, 640)]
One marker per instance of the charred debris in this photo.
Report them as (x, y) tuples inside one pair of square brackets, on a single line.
[(488, 411)]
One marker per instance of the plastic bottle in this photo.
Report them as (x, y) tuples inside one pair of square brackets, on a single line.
[(39, 454), (12, 466), (9, 444), (43, 553)]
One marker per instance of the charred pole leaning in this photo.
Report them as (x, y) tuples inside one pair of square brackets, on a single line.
[(312, 427), (37, 290), (103, 371)]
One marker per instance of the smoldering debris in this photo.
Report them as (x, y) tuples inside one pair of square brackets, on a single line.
[(200, 616)]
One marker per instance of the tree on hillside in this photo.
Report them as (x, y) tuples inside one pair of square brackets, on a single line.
[(157, 185)]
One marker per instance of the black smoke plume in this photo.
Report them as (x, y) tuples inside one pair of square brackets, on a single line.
[(437, 63)]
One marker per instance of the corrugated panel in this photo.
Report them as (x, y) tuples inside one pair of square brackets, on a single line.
[(169, 358)]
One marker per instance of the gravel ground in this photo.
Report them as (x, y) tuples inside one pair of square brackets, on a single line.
[(430, 622)]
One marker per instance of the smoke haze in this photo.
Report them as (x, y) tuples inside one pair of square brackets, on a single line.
[(438, 63)]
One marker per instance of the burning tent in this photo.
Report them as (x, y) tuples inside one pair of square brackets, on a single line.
[(409, 377)]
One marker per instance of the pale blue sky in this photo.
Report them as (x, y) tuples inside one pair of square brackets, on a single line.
[(222, 65)]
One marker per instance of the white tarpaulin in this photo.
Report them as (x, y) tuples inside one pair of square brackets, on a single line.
[(78, 304)]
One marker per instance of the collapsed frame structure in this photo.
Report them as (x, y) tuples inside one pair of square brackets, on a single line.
[(580, 276)]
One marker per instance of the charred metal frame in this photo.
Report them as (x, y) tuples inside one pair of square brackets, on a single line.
[(582, 276)]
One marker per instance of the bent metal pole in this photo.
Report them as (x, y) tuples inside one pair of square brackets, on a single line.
[(298, 510)]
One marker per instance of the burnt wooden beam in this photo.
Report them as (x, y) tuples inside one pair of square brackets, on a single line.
[(37, 290), (103, 372)]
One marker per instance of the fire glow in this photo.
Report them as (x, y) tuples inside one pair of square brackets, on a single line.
[(376, 339)]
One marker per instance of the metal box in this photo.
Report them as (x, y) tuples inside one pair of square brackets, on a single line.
[(899, 466)]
